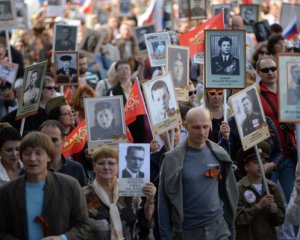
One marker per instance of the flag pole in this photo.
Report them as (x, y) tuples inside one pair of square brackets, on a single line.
[(262, 170)]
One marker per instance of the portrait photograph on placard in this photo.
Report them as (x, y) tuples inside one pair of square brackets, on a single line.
[(184, 8), (105, 121), (7, 14), (218, 8), (32, 89), (250, 14), (224, 59), (139, 33), (22, 15), (288, 12), (249, 116), (91, 42), (162, 104), (8, 72), (177, 63), (134, 168), (66, 67), (65, 37), (262, 30), (156, 46), (289, 87), (56, 8), (198, 9), (125, 8)]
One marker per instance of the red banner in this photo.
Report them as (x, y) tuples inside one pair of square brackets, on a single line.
[(75, 140), (195, 38)]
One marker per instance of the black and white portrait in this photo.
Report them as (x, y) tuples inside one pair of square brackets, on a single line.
[(105, 118), (253, 117), (125, 8), (102, 17), (54, 2), (56, 8), (262, 30), (159, 49), (32, 88), (293, 93), (178, 65), (225, 53), (66, 65), (91, 42), (184, 8), (22, 15), (65, 37), (249, 12), (198, 9), (8, 72), (216, 9), (139, 33), (6, 11), (135, 156)]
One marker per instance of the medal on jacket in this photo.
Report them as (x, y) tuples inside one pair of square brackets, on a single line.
[(249, 196), (214, 172)]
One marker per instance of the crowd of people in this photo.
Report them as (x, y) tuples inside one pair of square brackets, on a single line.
[(205, 187)]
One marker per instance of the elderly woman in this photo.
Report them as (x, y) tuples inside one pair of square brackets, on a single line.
[(10, 163), (105, 125), (113, 217)]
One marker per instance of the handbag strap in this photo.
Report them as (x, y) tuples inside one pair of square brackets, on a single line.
[(270, 103)]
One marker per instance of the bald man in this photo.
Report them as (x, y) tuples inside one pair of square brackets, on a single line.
[(198, 194)]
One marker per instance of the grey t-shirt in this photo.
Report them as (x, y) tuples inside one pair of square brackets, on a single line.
[(202, 204)]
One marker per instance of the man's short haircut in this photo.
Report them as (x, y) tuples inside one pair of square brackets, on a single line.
[(105, 152), (9, 134), (224, 39), (53, 123), (34, 71), (246, 97), (36, 139), (158, 85), (132, 149), (184, 108), (263, 58), (276, 28), (120, 62), (81, 55)]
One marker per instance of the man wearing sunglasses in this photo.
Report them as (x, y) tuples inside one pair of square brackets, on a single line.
[(266, 68), (225, 63)]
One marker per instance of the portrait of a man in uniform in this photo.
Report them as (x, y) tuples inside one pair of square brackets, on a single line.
[(134, 161), (66, 73), (65, 38), (225, 63), (5, 11), (31, 93), (197, 8)]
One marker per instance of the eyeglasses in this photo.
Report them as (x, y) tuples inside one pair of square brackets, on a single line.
[(192, 92), (266, 70), (123, 69), (106, 163), (213, 93), (50, 88)]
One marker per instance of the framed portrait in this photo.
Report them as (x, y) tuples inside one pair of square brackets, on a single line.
[(56, 8), (91, 42), (156, 46), (288, 11), (102, 16), (134, 168), (125, 8), (178, 63), (105, 121), (184, 9), (66, 67), (21, 15), (8, 73), (262, 30), (224, 59), (218, 8), (198, 9), (289, 87), (65, 37), (250, 14), (7, 14), (161, 104), (32, 89), (139, 33), (249, 116)]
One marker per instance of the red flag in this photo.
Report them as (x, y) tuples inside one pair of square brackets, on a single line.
[(135, 104), (75, 140), (247, 2), (68, 94), (195, 38)]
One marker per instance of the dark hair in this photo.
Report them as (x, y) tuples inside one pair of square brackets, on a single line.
[(36, 139), (247, 97), (54, 114), (99, 106), (273, 39), (81, 55), (131, 149), (120, 62), (53, 123), (276, 28), (158, 85), (184, 108), (9, 134), (224, 39), (257, 51)]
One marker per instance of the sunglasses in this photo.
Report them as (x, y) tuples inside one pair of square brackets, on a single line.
[(50, 88), (266, 70), (192, 92), (213, 93)]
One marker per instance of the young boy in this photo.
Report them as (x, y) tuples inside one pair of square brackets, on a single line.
[(257, 213)]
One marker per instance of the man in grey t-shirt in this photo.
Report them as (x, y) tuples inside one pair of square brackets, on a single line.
[(198, 193)]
